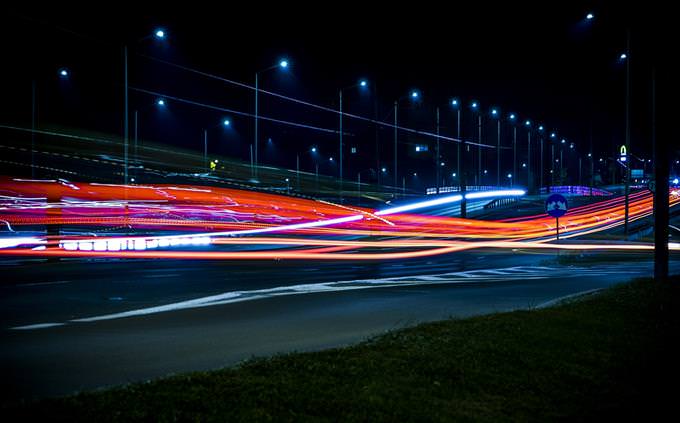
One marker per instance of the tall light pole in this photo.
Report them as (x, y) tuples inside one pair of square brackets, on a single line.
[(413, 95), (626, 56), (495, 114), (363, 84), (461, 163), (527, 123), (513, 119), (437, 155), (159, 34), (553, 138), (540, 140), (475, 108), (283, 64)]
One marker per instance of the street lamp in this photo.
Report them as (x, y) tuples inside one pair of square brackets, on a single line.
[(527, 123), (513, 119), (63, 73), (226, 123), (160, 34), (510, 178), (496, 114), (413, 95), (363, 84), (283, 64), (475, 108)]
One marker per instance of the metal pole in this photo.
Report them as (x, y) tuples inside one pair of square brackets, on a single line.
[(125, 120), (359, 187), (134, 150), (661, 218), (514, 151), (498, 153), (437, 158), (557, 227), (540, 187), (33, 88), (340, 181), (395, 145), (205, 149), (552, 165), (479, 151), (257, 90), (627, 171), (528, 163), (461, 171), (252, 169)]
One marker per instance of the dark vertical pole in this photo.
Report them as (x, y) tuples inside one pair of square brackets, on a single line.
[(514, 152), (395, 146), (33, 129), (340, 148), (437, 155), (541, 141), (257, 92), (498, 152), (557, 227), (125, 119), (462, 172), (135, 151), (529, 179), (661, 218), (377, 130), (479, 150), (628, 151)]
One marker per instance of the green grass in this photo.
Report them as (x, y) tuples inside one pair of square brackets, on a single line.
[(605, 357)]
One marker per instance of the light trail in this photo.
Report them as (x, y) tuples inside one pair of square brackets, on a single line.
[(204, 221)]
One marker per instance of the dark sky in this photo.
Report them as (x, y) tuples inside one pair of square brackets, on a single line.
[(540, 60)]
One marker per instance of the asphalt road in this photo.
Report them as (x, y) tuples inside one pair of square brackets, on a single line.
[(79, 325)]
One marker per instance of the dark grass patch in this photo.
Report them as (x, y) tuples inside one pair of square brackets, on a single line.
[(610, 356)]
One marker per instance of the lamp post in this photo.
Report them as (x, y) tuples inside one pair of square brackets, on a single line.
[(513, 119), (460, 164), (363, 84), (540, 140), (159, 34), (225, 123), (413, 95), (495, 114), (527, 123), (475, 108), (283, 64), (625, 57)]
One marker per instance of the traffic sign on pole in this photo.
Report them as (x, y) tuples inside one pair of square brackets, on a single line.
[(556, 206)]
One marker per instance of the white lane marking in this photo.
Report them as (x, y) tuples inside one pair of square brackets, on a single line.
[(479, 275), (43, 283), (38, 326), (163, 275), (558, 300)]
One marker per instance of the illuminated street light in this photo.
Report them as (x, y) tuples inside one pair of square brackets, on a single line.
[(363, 83), (283, 63), (160, 33), (623, 56), (226, 122), (160, 102), (63, 73), (590, 16)]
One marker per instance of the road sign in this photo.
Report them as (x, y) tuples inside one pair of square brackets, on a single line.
[(556, 205), (651, 185)]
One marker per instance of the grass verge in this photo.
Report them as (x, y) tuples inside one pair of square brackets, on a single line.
[(609, 356)]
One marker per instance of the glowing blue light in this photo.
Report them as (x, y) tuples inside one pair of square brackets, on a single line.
[(453, 174), (415, 174), (553, 135), (414, 94), (63, 73), (384, 170), (524, 165), (563, 140), (420, 205), (623, 56), (474, 104), (512, 116), (590, 16), (675, 181), (313, 149), (497, 193), (454, 102), (160, 33), (226, 122), (160, 102), (540, 128), (509, 175), (494, 112), (331, 159), (486, 171), (283, 63), (363, 83), (527, 123)]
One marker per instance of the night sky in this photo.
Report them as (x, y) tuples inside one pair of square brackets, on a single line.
[(542, 61)]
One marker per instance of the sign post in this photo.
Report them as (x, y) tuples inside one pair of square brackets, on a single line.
[(556, 206)]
